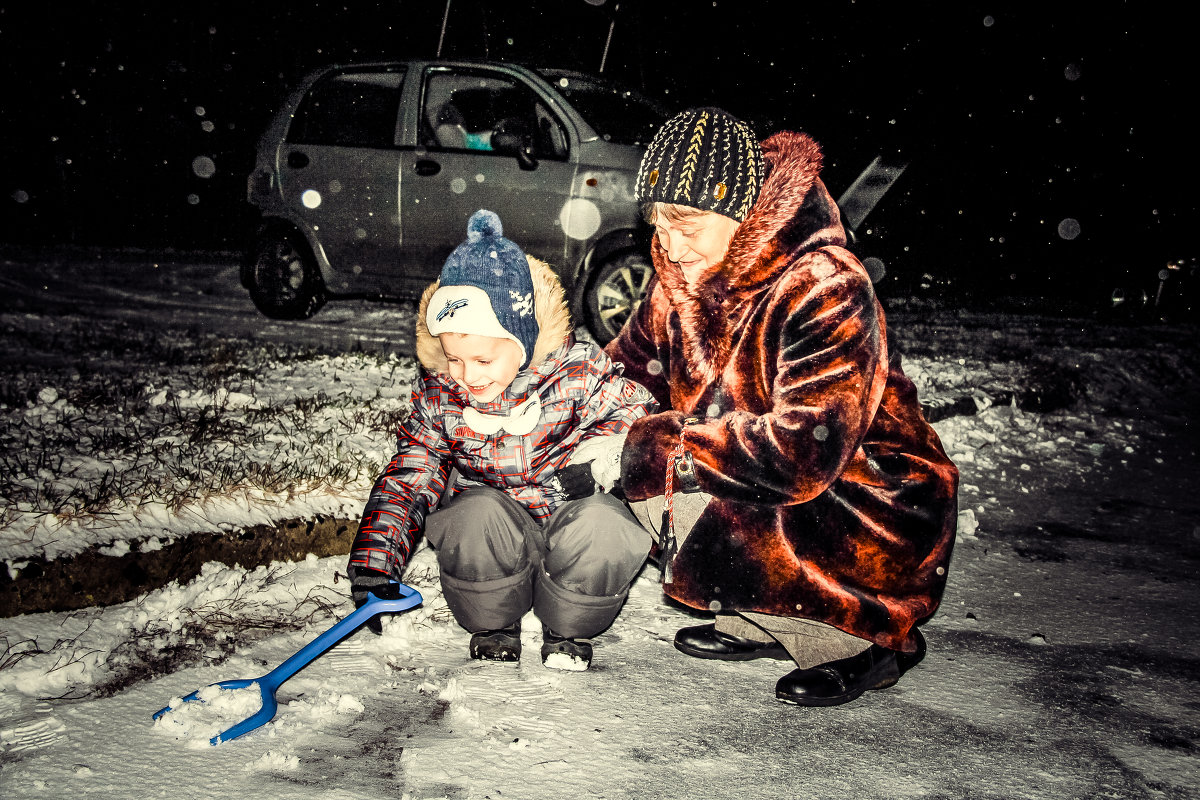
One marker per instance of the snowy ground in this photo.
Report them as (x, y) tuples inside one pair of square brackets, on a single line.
[(1063, 662)]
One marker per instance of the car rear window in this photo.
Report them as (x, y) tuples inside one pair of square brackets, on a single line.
[(350, 109)]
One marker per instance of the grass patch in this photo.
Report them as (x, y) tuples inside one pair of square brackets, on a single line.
[(99, 417)]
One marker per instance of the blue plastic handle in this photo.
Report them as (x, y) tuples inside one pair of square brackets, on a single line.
[(268, 684)]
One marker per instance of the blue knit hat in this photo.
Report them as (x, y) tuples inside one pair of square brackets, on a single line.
[(486, 288)]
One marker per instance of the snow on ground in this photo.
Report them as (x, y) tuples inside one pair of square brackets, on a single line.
[(1062, 663)]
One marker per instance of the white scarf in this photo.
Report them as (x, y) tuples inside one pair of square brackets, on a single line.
[(520, 421)]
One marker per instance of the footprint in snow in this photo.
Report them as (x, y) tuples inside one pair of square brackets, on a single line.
[(27, 724)]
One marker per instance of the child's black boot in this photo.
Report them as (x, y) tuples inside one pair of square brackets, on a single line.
[(559, 652), (499, 645)]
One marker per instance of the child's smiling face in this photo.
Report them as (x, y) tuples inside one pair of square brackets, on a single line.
[(483, 365)]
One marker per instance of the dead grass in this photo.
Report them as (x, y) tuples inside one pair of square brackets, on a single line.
[(85, 429)]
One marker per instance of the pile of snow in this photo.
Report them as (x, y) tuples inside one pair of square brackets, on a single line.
[(213, 710), (100, 651)]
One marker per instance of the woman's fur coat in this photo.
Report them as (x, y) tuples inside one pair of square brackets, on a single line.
[(833, 499)]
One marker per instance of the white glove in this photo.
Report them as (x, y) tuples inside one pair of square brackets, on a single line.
[(604, 453)]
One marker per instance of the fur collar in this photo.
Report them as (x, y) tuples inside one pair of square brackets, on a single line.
[(549, 306), (794, 214)]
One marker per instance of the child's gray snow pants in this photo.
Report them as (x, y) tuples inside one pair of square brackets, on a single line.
[(497, 562)]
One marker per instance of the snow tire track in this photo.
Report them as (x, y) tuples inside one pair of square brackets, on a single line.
[(350, 657), (516, 706)]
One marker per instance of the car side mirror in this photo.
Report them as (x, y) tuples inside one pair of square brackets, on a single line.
[(512, 144)]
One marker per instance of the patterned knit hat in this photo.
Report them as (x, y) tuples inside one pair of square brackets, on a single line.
[(486, 288), (703, 158)]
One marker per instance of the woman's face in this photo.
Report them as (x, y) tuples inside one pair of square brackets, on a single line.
[(695, 241)]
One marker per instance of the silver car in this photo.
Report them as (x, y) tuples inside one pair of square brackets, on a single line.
[(367, 175)]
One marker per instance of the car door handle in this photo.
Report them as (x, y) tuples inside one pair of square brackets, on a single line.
[(297, 160), (427, 167)]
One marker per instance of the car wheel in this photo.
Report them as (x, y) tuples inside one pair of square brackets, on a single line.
[(283, 281), (614, 292)]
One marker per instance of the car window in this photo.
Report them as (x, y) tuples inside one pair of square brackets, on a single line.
[(465, 109), (350, 109), (616, 114)]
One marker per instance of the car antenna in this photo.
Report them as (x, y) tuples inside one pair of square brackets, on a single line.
[(442, 35)]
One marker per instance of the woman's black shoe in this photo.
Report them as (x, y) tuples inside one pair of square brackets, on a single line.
[(705, 641), (906, 661), (837, 682), (501, 645)]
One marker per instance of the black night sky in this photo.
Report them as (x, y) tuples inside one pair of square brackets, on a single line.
[(1047, 140)]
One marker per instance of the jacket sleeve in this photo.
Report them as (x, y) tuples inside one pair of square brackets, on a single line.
[(408, 488), (635, 347), (614, 402), (828, 378)]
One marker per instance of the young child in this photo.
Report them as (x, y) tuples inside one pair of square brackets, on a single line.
[(530, 421)]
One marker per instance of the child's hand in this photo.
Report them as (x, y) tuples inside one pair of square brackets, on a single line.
[(576, 481), (378, 584)]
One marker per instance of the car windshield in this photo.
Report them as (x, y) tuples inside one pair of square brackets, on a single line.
[(618, 115)]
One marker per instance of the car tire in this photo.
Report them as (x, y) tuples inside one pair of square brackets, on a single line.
[(283, 279), (614, 291)]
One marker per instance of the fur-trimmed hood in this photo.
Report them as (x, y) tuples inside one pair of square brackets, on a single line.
[(794, 214), (549, 306)]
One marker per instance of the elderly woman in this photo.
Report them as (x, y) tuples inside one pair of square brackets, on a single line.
[(805, 500)]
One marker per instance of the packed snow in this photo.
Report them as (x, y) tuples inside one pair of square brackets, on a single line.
[(1062, 663)]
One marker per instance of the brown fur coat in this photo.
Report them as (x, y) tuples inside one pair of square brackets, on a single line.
[(833, 499)]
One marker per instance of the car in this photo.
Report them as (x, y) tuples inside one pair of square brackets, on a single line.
[(1169, 294), (367, 174)]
